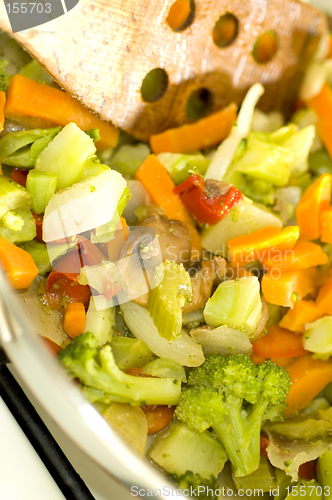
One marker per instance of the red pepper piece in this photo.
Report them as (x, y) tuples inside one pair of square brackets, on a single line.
[(61, 290), (307, 470), (264, 444), (19, 175), (39, 227), (205, 209)]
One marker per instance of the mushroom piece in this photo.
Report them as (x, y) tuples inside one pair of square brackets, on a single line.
[(211, 272), (174, 238)]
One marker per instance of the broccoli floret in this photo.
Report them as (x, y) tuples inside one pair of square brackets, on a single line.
[(97, 370), (4, 77), (259, 190), (233, 396), (197, 486)]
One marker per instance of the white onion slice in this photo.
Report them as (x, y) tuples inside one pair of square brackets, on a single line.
[(314, 79), (184, 350)]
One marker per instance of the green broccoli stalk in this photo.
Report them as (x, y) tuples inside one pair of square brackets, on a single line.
[(197, 486), (97, 370), (233, 396)]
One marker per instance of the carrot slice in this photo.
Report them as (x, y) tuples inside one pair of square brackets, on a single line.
[(279, 343), (204, 133), (19, 265), (304, 311), (324, 298), (305, 254), (158, 417), (326, 225), (2, 109), (25, 97), (309, 377), (321, 104), (285, 289), (154, 177), (258, 245), (74, 319)]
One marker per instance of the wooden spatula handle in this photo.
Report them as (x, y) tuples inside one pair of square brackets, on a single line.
[(102, 50)]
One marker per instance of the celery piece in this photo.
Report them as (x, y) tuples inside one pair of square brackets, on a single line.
[(259, 190), (263, 477), (105, 232), (317, 337), (306, 489), (324, 473), (128, 158), (27, 231), (235, 303), (66, 155), (161, 367), (93, 167), (275, 314), (129, 353), (266, 161), (39, 253), (178, 449), (245, 218), (282, 134), (94, 134), (179, 166), (170, 290), (4, 77), (193, 317), (13, 195), (100, 323), (42, 186), (21, 149), (12, 221), (34, 71), (320, 162), (300, 144), (283, 484)]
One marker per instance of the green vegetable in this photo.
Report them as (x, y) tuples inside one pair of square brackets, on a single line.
[(129, 353), (100, 323), (262, 478), (25, 223), (245, 218), (324, 473), (34, 71), (275, 314), (300, 144), (106, 231), (205, 489), (320, 162), (93, 167), (178, 449), (283, 481), (306, 489), (94, 134), (39, 253), (179, 166), (128, 158), (259, 190), (233, 396), (13, 195), (161, 367), (4, 77), (42, 186), (304, 428), (235, 303), (317, 337), (66, 154), (21, 149), (97, 370), (170, 290)]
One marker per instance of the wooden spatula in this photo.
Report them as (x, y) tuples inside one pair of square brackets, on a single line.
[(207, 52)]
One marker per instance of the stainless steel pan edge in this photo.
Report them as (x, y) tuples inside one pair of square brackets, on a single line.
[(64, 403)]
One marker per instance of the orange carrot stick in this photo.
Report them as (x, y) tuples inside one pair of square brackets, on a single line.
[(19, 265), (279, 343), (324, 298), (74, 319), (321, 104), (305, 254), (326, 225), (258, 245), (329, 55), (204, 133), (314, 200), (25, 97), (158, 417), (2, 109), (309, 377), (154, 177), (304, 311), (284, 289)]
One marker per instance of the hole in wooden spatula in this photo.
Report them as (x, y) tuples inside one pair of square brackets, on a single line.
[(154, 85), (181, 14), (199, 104), (265, 47), (225, 30)]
